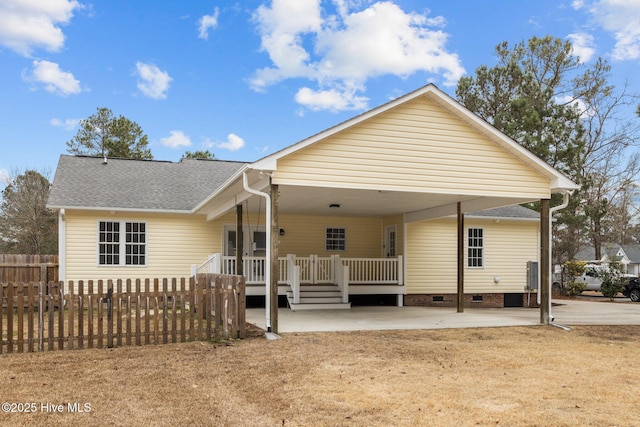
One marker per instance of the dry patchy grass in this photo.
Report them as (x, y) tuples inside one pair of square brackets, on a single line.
[(495, 376)]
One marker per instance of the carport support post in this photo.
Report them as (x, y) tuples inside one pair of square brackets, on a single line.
[(273, 252), (239, 242), (460, 259), (545, 251)]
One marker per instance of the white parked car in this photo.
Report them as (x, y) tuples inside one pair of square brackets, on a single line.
[(591, 280)]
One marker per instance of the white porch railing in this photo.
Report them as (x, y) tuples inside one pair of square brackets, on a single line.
[(374, 270), (294, 271)]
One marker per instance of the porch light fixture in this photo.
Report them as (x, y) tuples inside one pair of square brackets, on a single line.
[(334, 205), (282, 231)]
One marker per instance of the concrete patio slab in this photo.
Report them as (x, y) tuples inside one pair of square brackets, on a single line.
[(565, 312)]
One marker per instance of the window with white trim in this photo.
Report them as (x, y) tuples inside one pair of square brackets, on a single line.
[(336, 239), (475, 248), (122, 243)]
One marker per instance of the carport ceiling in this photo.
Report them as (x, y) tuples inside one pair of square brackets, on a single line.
[(317, 201)]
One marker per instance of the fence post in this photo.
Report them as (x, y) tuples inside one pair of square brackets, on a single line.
[(71, 297), (61, 307), (20, 312), (101, 301), (40, 316), (213, 296), (165, 314), (242, 307), (43, 273), (109, 298), (1, 316)]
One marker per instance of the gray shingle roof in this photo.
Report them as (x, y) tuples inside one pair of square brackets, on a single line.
[(515, 211), (86, 182)]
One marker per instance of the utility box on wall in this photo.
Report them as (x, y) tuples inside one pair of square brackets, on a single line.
[(532, 275)]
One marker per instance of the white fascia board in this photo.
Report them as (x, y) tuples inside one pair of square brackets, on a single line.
[(220, 189), (224, 207)]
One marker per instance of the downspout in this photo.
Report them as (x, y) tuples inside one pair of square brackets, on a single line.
[(564, 204), (267, 274)]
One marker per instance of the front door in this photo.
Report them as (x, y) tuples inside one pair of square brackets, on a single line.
[(390, 241)]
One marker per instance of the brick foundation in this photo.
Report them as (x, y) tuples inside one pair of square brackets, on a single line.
[(470, 300)]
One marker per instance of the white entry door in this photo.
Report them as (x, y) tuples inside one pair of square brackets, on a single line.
[(390, 241)]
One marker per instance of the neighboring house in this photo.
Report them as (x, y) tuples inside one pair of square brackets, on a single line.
[(370, 206), (627, 255)]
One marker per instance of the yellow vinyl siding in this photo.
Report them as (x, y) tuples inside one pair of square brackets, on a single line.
[(432, 256), (174, 243), (306, 235), (416, 147)]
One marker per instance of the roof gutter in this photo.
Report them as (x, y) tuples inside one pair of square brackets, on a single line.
[(267, 276)]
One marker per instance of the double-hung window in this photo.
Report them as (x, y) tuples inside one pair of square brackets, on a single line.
[(122, 243), (336, 239), (475, 248)]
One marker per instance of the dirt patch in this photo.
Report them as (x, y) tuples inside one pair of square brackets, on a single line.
[(491, 376)]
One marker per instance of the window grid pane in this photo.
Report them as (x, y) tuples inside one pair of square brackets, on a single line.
[(109, 243), (336, 239), (475, 247), (135, 247)]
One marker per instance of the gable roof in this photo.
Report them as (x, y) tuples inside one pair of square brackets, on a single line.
[(611, 250), (558, 181), (136, 185)]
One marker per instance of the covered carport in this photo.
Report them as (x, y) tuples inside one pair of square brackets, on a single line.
[(421, 156)]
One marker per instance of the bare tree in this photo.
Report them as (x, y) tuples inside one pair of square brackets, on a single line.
[(26, 225)]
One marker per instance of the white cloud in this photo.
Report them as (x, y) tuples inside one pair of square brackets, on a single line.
[(341, 52), (233, 143), (176, 139), (207, 22), (332, 99), (577, 4), (621, 19), (54, 79), (577, 103), (26, 25), (68, 124), (152, 81), (5, 178), (582, 46)]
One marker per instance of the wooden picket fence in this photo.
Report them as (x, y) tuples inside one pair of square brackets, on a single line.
[(97, 314), (28, 268)]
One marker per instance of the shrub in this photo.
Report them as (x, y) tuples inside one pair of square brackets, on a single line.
[(574, 288), (612, 280)]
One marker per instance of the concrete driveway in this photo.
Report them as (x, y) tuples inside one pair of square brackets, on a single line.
[(595, 311)]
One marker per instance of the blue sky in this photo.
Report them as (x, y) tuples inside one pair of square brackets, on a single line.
[(244, 79)]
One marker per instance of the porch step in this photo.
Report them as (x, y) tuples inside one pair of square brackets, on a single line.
[(320, 306), (316, 294), (319, 288), (318, 297)]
